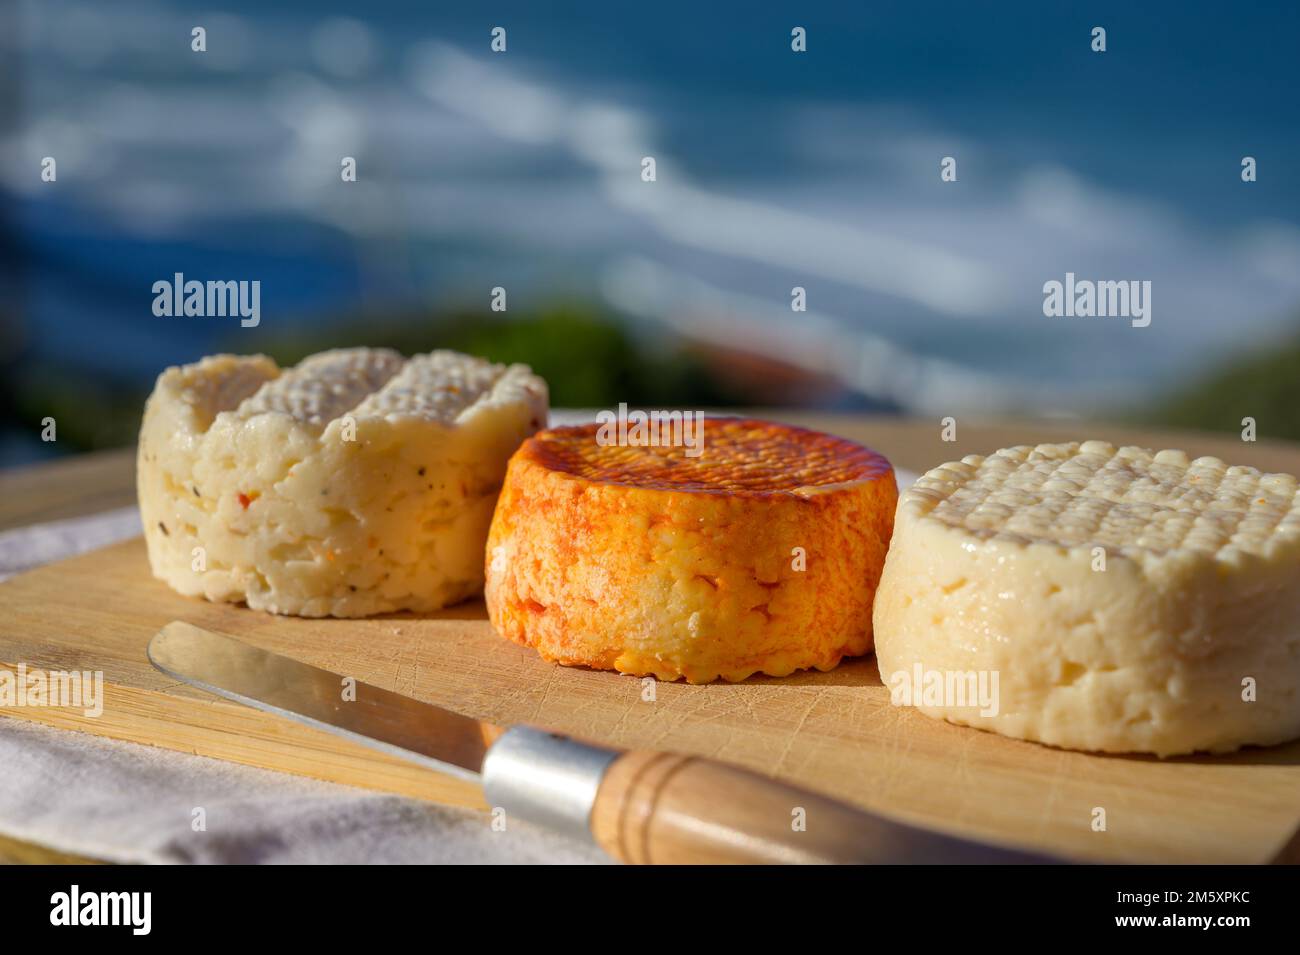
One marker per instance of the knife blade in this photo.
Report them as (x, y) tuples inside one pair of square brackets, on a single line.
[(639, 806), (380, 719), (542, 777)]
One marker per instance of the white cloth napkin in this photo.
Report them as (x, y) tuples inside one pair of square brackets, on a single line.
[(28, 547), (126, 803)]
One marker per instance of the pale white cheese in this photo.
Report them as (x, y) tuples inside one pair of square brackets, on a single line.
[(1126, 601), (355, 483)]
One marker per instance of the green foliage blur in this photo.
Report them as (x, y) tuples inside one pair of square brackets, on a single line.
[(587, 360), (1264, 386), (90, 414)]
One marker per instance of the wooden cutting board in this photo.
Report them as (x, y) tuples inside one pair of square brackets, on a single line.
[(835, 732)]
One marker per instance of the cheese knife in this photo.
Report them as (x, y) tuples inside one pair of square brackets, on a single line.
[(640, 806)]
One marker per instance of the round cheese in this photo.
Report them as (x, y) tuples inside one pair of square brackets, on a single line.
[(761, 554), (1098, 598), (355, 483)]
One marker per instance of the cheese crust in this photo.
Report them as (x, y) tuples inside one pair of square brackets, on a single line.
[(356, 483), (760, 555), (1128, 601)]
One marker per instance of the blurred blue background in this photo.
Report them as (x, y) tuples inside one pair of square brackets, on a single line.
[(775, 169)]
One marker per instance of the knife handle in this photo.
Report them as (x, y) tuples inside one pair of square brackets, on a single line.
[(664, 808)]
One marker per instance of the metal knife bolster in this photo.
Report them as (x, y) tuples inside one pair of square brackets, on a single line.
[(545, 778)]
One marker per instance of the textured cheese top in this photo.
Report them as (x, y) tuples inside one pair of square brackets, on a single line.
[(440, 387), (1094, 494), (739, 456), (325, 386), (378, 383)]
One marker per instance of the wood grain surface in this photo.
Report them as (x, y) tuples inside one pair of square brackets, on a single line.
[(832, 732)]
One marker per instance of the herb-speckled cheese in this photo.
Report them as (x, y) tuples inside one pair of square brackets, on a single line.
[(1127, 601), (355, 483)]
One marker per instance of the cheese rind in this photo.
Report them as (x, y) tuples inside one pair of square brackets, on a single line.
[(759, 555), (356, 483), (1127, 601)]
